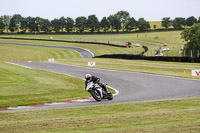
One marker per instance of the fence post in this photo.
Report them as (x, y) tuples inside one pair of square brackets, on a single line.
[(198, 54), (191, 53)]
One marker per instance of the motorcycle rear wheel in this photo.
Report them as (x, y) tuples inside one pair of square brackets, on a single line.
[(110, 96)]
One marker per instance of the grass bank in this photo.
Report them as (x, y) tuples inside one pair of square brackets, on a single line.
[(180, 116), (22, 86), (29, 53), (171, 37), (95, 48)]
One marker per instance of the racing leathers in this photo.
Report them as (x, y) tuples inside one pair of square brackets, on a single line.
[(96, 80)]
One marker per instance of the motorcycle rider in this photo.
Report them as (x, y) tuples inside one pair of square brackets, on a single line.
[(90, 78)]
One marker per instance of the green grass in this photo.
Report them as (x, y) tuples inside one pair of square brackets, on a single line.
[(22, 86), (154, 67), (96, 49), (180, 116), (172, 38), (35, 54)]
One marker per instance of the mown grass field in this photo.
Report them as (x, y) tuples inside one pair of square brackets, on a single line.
[(22, 86), (177, 116), (96, 49), (17, 53), (172, 38)]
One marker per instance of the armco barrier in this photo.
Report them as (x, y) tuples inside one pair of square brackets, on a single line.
[(108, 44), (151, 58)]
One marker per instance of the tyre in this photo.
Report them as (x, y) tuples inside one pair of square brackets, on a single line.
[(110, 96), (96, 95)]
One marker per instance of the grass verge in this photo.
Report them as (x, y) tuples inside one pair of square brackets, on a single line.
[(180, 116)]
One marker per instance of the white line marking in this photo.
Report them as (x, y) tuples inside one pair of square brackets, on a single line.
[(54, 104), (23, 107), (18, 65), (78, 53), (89, 52), (12, 108)]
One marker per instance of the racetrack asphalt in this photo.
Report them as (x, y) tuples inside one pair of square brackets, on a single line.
[(132, 86)]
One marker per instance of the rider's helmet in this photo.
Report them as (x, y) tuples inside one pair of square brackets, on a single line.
[(87, 76)]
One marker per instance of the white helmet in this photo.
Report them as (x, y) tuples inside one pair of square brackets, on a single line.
[(88, 76)]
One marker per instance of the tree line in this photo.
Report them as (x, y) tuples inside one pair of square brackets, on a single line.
[(121, 21)]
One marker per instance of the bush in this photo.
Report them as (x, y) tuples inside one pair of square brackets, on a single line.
[(192, 38)]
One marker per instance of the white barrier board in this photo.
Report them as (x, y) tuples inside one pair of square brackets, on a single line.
[(195, 72), (51, 60), (91, 63)]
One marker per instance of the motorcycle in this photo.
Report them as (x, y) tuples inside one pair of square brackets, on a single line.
[(98, 92)]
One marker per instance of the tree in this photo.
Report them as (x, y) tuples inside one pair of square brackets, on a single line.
[(179, 23), (2, 25), (32, 24), (198, 20), (24, 24), (56, 26), (124, 17), (39, 22), (143, 24), (62, 23), (15, 22), (190, 21), (69, 24), (115, 22), (6, 21), (45, 25), (132, 24), (81, 23), (192, 38), (166, 22), (111, 21), (12, 25), (93, 23), (104, 24)]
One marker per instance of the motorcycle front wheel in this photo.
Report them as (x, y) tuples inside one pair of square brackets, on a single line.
[(96, 95)]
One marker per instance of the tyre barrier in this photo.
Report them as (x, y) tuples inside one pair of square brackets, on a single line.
[(108, 44), (151, 58)]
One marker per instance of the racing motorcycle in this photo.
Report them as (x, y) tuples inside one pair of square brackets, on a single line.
[(98, 92)]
